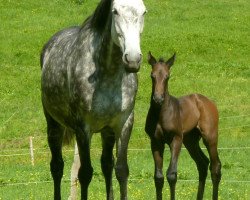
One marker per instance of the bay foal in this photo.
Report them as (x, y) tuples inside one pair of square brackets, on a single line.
[(181, 120)]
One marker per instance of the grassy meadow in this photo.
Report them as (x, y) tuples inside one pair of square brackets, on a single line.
[(211, 39)]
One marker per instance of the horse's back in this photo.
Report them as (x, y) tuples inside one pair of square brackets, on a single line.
[(197, 102), (60, 42)]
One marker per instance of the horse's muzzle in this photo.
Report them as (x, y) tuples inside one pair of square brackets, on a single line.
[(132, 69), (132, 62)]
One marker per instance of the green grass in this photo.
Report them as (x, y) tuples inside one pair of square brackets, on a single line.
[(211, 39)]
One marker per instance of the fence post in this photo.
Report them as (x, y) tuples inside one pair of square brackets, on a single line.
[(31, 151)]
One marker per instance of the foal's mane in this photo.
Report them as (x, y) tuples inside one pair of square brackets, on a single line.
[(99, 18), (161, 60)]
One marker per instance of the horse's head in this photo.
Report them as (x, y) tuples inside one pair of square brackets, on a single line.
[(127, 26), (160, 74)]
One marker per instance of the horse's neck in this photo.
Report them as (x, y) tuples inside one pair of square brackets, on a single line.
[(110, 57), (108, 54), (168, 99), (105, 54)]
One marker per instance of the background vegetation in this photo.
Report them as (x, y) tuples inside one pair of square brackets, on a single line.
[(211, 38)]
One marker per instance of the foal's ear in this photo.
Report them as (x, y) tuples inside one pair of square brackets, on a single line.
[(170, 61), (151, 59)]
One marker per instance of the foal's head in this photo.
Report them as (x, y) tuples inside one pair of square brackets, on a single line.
[(160, 74), (127, 26)]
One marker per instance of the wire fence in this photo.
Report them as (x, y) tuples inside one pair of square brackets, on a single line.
[(46, 150), (30, 139), (31, 150)]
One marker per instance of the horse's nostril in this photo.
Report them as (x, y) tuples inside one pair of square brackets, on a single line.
[(140, 58), (126, 58), (132, 60)]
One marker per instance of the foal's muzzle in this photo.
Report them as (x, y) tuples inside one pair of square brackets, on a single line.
[(158, 99)]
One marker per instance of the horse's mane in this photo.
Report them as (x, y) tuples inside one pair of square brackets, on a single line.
[(100, 16)]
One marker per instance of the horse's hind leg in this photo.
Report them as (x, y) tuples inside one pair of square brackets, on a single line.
[(55, 137), (107, 160), (191, 142), (74, 175), (215, 164)]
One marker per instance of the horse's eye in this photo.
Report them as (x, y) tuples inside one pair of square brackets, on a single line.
[(152, 75), (115, 12), (145, 12)]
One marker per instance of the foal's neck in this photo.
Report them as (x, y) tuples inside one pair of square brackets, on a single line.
[(167, 101), (167, 98)]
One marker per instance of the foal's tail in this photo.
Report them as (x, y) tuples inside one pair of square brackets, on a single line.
[(68, 137)]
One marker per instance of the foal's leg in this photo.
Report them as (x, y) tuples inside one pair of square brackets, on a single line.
[(107, 160), (121, 167), (191, 142), (175, 148), (215, 164), (86, 171), (157, 148), (55, 137)]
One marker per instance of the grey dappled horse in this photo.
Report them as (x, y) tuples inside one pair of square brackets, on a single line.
[(89, 85)]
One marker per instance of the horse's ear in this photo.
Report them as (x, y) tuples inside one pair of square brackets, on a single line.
[(170, 61), (151, 59)]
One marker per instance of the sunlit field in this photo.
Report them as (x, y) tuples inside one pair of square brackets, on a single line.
[(211, 39)]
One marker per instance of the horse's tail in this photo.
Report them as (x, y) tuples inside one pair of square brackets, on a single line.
[(68, 137)]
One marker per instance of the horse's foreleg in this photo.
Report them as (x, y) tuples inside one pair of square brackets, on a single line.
[(175, 148), (121, 167), (86, 171), (55, 137), (107, 160), (74, 175), (157, 148)]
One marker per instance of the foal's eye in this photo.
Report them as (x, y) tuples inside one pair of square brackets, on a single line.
[(166, 77), (152, 75)]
